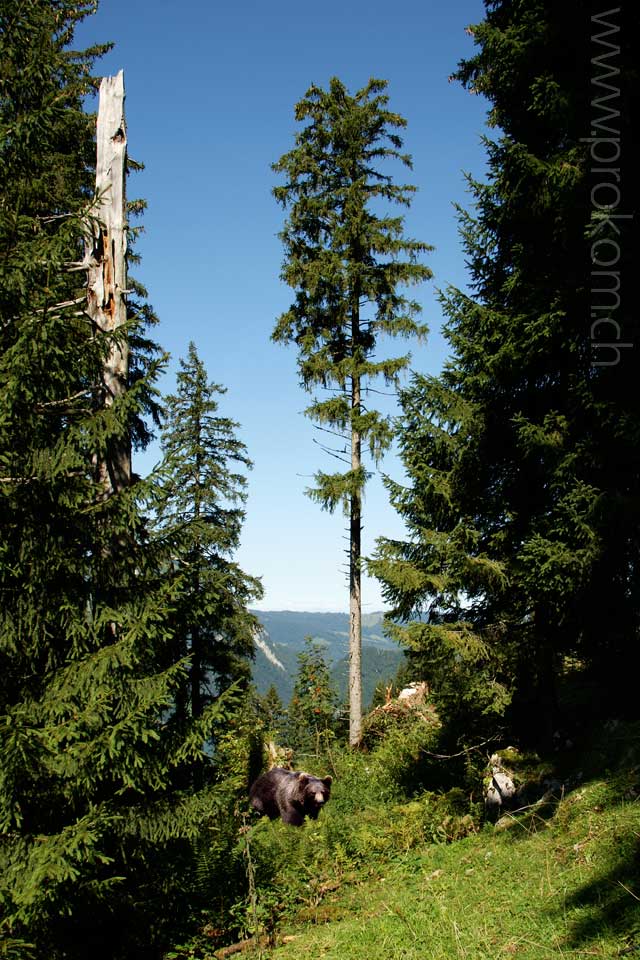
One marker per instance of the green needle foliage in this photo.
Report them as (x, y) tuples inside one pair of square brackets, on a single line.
[(200, 508), (348, 263), (272, 713), (312, 712), (93, 823), (524, 455)]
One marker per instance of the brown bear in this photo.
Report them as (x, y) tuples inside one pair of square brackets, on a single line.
[(291, 795)]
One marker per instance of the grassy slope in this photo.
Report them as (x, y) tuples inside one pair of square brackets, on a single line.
[(565, 887)]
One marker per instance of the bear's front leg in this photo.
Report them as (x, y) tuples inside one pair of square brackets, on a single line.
[(291, 815)]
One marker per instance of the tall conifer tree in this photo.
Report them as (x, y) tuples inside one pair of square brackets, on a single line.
[(89, 812), (348, 265), (312, 711), (524, 455), (201, 499)]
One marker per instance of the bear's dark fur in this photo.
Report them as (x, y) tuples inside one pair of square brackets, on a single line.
[(290, 794)]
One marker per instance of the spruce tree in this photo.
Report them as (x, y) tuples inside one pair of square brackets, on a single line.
[(311, 715), (201, 495), (521, 454), (271, 712), (348, 264), (91, 819)]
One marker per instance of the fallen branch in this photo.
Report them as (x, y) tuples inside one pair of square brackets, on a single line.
[(635, 897), (242, 945), (461, 753)]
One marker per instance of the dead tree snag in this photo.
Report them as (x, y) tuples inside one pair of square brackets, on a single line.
[(107, 271)]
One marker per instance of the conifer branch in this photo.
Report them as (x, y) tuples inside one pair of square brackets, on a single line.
[(66, 401), (334, 433), (332, 453)]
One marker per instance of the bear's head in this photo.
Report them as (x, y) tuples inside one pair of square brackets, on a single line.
[(314, 793)]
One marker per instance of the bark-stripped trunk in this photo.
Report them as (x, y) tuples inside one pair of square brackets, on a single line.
[(107, 280), (355, 527)]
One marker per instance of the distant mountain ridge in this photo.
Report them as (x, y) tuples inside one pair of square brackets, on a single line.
[(282, 639)]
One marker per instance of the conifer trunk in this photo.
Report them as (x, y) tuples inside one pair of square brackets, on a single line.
[(355, 525), (107, 275), (196, 667), (196, 646), (546, 674)]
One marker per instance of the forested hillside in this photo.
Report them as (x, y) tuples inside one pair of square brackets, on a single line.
[(283, 639)]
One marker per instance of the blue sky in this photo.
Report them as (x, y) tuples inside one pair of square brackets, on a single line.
[(211, 89)]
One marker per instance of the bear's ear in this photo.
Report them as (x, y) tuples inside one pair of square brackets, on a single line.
[(303, 779), (328, 781)]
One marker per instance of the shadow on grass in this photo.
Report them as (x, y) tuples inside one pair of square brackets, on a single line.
[(609, 904), (531, 813), (537, 804)]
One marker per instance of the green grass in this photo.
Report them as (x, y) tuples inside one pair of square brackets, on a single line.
[(567, 886)]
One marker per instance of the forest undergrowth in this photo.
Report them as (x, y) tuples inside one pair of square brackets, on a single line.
[(393, 868)]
